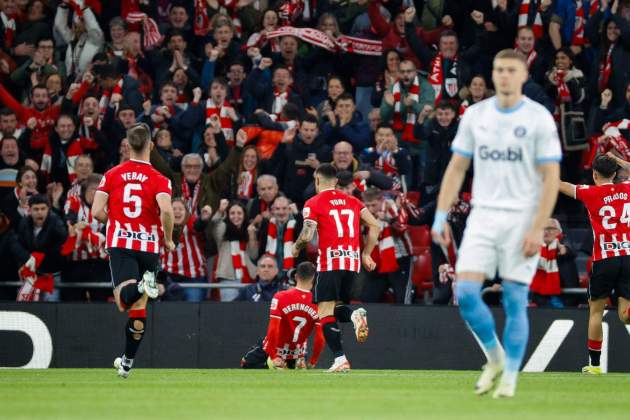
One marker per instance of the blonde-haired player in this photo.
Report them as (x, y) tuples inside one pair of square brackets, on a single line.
[(514, 145)]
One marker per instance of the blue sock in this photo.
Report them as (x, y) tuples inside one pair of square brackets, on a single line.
[(478, 316), (516, 330)]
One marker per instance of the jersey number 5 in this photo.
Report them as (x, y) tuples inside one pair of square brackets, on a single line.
[(608, 212), (336, 214), (133, 203)]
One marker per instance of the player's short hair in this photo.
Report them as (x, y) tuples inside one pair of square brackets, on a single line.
[(305, 271), (138, 136), (371, 194), (508, 54), (326, 171), (605, 166)]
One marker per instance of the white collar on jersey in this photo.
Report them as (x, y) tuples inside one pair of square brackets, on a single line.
[(140, 161), (328, 189), (302, 290)]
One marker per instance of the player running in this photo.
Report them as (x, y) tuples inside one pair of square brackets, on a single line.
[(292, 319), (135, 201), (336, 217), (609, 212), (514, 144)]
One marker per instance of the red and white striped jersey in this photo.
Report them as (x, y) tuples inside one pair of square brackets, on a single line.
[(609, 211), (338, 218), (133, 212), (90, 245), (187, 259)]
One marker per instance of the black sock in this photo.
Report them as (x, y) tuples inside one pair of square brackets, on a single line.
[(134, 331), (130, 294), (594, 351), (343, 313), (332, 334)]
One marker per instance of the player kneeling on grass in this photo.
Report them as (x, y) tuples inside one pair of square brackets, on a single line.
[(608, 208), (291, 321), (135, 201)]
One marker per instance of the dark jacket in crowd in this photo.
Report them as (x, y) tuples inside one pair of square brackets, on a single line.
[(356, 132), (49, 241), (259, 291)]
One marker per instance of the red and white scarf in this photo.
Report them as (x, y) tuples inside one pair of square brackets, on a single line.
[(106, 96), (224, 118), (34, 282), (564, 94), (191, 200), (342, 43), (229, 8), (523, 18), (385, 254), (605, 69), (547, 278), (9, 29), (152, 37), (578, 28), (245, 188), (387, 163), (76, 148), (202, 20), (437, 79), (531, 57), (406, 127), (238, 251), (272, 242), (259, 41), (279, 101)]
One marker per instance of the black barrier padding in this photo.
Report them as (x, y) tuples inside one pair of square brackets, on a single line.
[(16, 349), (228, 330), (175, 328), (215, 335)]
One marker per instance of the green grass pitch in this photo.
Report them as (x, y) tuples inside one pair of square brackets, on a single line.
[(361, 394)]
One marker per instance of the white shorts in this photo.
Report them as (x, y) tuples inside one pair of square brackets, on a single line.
[(493, 240)]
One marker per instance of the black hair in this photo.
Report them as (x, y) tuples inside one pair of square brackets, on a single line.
[(232, 232), (346, 96), (305, 270), (6, 112), (38, 199), (310, 118), (291, 112), (446, 104), (605, 166), (327, 171), (384, 125)]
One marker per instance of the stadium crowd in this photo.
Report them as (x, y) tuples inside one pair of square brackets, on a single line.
[(247, 97)]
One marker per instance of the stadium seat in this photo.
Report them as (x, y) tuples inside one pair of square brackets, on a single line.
[(422, 274), (420, 238)]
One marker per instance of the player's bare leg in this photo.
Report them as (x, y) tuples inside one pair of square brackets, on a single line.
[(332, 335), (595, 335), (479, 318), (127, 295)]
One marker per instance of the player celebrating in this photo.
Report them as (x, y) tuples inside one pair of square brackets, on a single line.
[(134, 199), (609, 211), (336, 218), (293, 317), (514, 143)]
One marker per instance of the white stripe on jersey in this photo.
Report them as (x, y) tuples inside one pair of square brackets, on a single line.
[(189, 254), (342, 260), (129, 243), (180, 261), (625, 240), (602, 240), (143, 244), (615, 242), (197, 251), (115, 235), (352, 260), (156, 244), (329, 265)]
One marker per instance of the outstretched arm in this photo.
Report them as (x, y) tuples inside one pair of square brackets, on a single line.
[(166, 217), (567, 189), (99, 206), (551, 179)]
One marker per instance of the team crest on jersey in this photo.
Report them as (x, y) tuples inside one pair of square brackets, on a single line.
[(274, 304), (306, 211), (520, 131)]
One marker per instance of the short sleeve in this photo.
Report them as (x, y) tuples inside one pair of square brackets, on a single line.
[(104, 186), (583, 192), (163, 186), (274, 308), (464, 143), (309, 211), (548, 147)]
